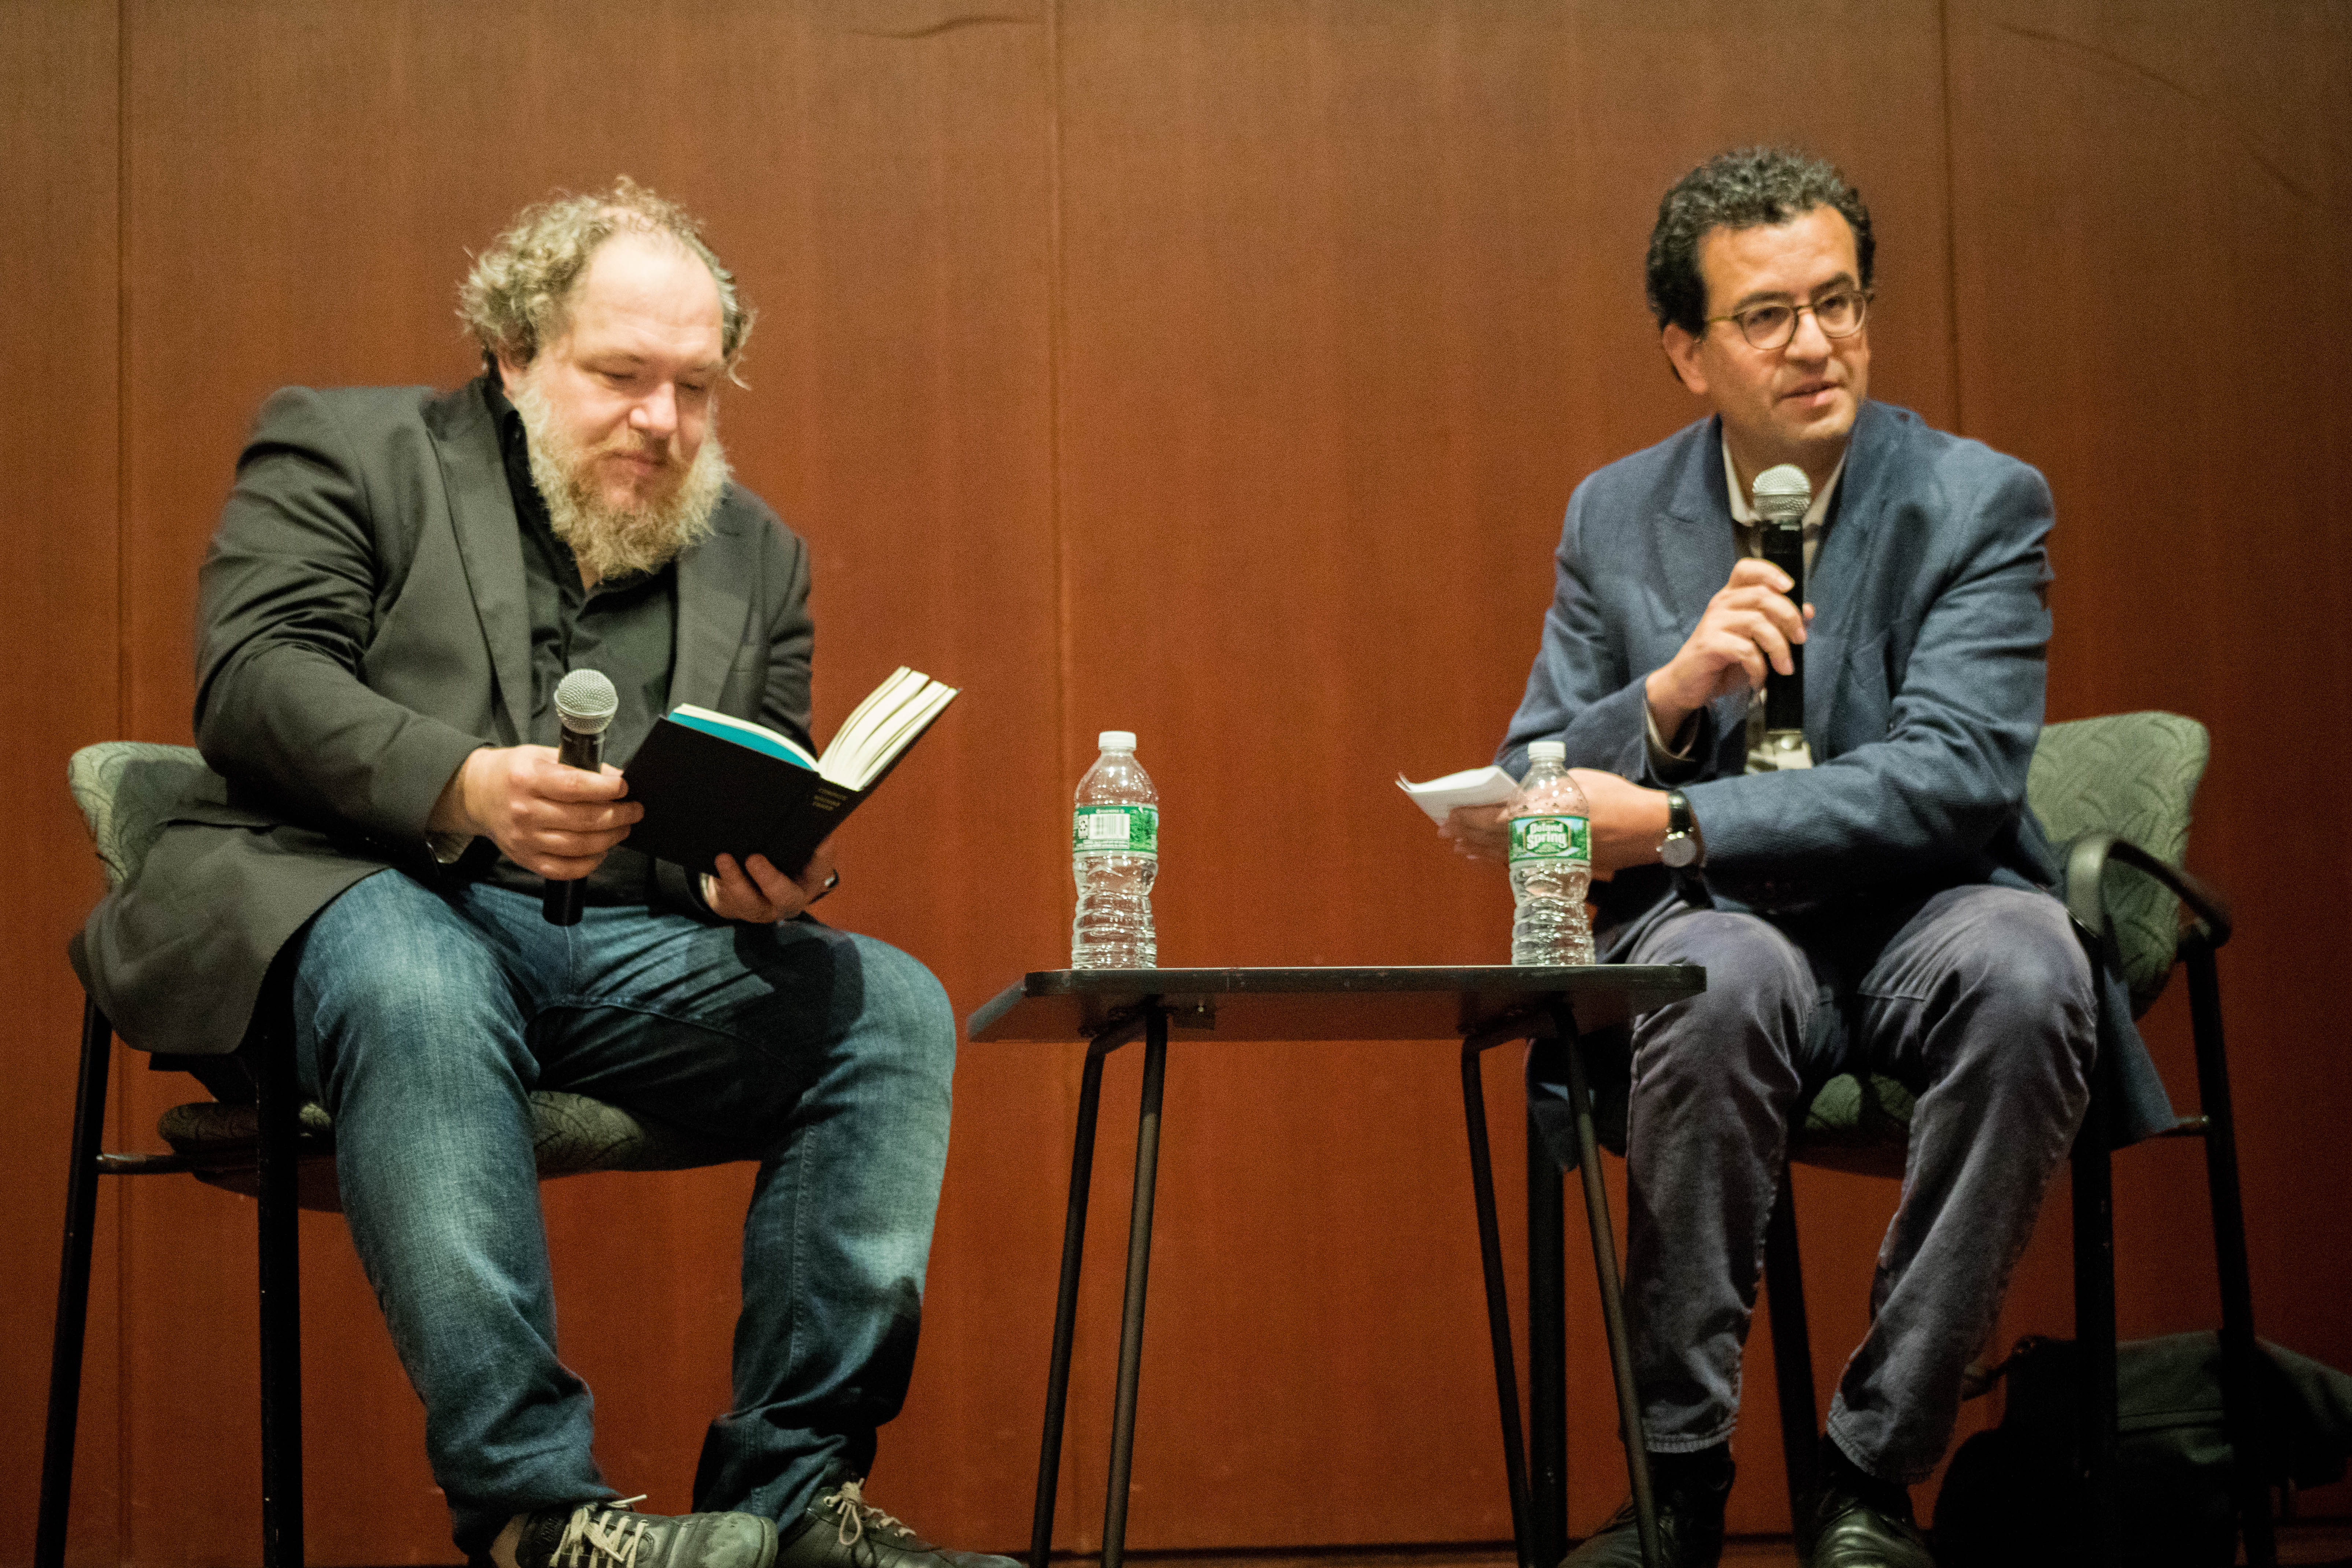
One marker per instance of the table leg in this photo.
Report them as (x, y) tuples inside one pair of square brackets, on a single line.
[(1065, 1302), (1612, 1298), (1547, 1349), (1498, 1309), (1139, 1270)]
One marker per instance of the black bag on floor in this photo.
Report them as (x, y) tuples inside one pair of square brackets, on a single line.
[(2011, 1498)]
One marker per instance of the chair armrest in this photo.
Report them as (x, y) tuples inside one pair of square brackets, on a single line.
[(2086, 864)]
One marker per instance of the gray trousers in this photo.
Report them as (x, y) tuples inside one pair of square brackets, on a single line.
[(1981, 1000)]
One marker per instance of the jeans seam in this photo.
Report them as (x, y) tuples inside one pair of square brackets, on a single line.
[(795, 1150), (572, 1001)]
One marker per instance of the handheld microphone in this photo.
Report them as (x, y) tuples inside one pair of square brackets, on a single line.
[(584, 705), (1782, 497)]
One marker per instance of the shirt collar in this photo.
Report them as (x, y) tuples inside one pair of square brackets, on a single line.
[(1744, 513)]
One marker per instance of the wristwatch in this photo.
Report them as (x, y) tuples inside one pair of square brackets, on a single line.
[(1681, 848)]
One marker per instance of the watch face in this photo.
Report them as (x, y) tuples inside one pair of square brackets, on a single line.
[(1679, 850)]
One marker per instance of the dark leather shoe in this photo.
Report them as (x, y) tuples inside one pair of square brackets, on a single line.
[(1860, 1522), (1690, 1518), (842, 1530)]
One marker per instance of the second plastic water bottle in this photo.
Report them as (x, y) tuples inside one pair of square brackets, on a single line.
[(1551, 862), (1115, 856)]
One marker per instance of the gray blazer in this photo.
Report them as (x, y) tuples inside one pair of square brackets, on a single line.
[(362, 626), (1924, 676)]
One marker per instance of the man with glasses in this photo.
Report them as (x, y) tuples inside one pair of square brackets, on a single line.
[(1873, 899)]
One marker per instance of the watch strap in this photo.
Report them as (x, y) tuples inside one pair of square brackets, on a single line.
[(1681, 848)]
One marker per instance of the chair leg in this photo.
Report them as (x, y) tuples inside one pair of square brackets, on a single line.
[(2095, 1325), (1612, 1300), (2239, 1413), (1792, 1356), (73, 1289), (281, 1307)]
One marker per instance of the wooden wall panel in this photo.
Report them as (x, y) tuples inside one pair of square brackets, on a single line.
[(306, 185), (2151, 206), (58, 644), (1353, 298), (1218, 371)]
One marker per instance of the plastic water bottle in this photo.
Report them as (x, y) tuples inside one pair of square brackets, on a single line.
[(1115, 855), (1551, 862)]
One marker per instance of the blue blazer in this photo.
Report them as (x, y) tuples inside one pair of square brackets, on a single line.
[(1924, 677)]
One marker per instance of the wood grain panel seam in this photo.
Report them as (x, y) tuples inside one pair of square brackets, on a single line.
[(121, 366), (1056, 341), (1951, 227), (118, 1077), (1067, 1481)]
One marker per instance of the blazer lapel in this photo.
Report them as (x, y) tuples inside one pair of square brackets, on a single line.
[(714, 607), (1843, 627), (1698, 547), (1854, 514), (489, 541)]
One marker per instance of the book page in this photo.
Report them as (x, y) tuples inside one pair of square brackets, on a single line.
[(892, 732), (884, 695)]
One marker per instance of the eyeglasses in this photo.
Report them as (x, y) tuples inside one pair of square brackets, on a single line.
[(1838, 315)]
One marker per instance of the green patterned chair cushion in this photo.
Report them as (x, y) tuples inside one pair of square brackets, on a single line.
[(126, 790), (2134, 775), (1857, 1123), (572, 1135), (2131, 775)]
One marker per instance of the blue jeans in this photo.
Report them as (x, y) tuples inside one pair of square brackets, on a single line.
[(1981, 1000), (423, 1021)]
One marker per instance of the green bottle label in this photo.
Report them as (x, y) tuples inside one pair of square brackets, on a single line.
[(1115, 830), (1550, 838)]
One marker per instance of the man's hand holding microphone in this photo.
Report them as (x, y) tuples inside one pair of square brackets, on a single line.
[(557, 811)]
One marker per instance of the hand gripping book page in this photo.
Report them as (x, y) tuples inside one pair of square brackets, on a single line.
[(714, 785)]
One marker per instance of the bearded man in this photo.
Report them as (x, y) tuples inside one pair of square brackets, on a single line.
[(398, 584)]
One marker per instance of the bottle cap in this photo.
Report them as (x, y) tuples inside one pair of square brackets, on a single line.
[(1546, 751), (1122, 741)]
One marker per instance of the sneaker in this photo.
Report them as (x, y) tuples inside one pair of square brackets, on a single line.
[(842, 1530), (608, 1535)]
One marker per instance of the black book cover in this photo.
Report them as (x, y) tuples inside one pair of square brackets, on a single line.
[(705, 797)]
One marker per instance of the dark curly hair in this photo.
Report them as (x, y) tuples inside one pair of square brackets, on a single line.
[(1741, 189)]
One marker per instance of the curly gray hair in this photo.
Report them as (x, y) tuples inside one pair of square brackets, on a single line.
[(515, 296)]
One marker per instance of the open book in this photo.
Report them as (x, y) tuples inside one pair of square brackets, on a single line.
[(712, 785)]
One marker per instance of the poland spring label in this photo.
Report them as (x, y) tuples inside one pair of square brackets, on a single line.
[(1550, 838), (1115, 830)]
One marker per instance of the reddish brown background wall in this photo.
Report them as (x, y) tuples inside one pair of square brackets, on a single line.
[(1217, 370)]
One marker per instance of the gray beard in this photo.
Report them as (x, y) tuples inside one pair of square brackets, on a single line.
[(610, 540)]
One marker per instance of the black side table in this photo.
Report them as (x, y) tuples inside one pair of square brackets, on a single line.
[(1482, 1006)]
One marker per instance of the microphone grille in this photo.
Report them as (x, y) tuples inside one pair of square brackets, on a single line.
[(1782, 495), (586, 702)]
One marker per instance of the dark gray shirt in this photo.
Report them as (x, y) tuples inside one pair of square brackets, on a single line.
[(625, 626)]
